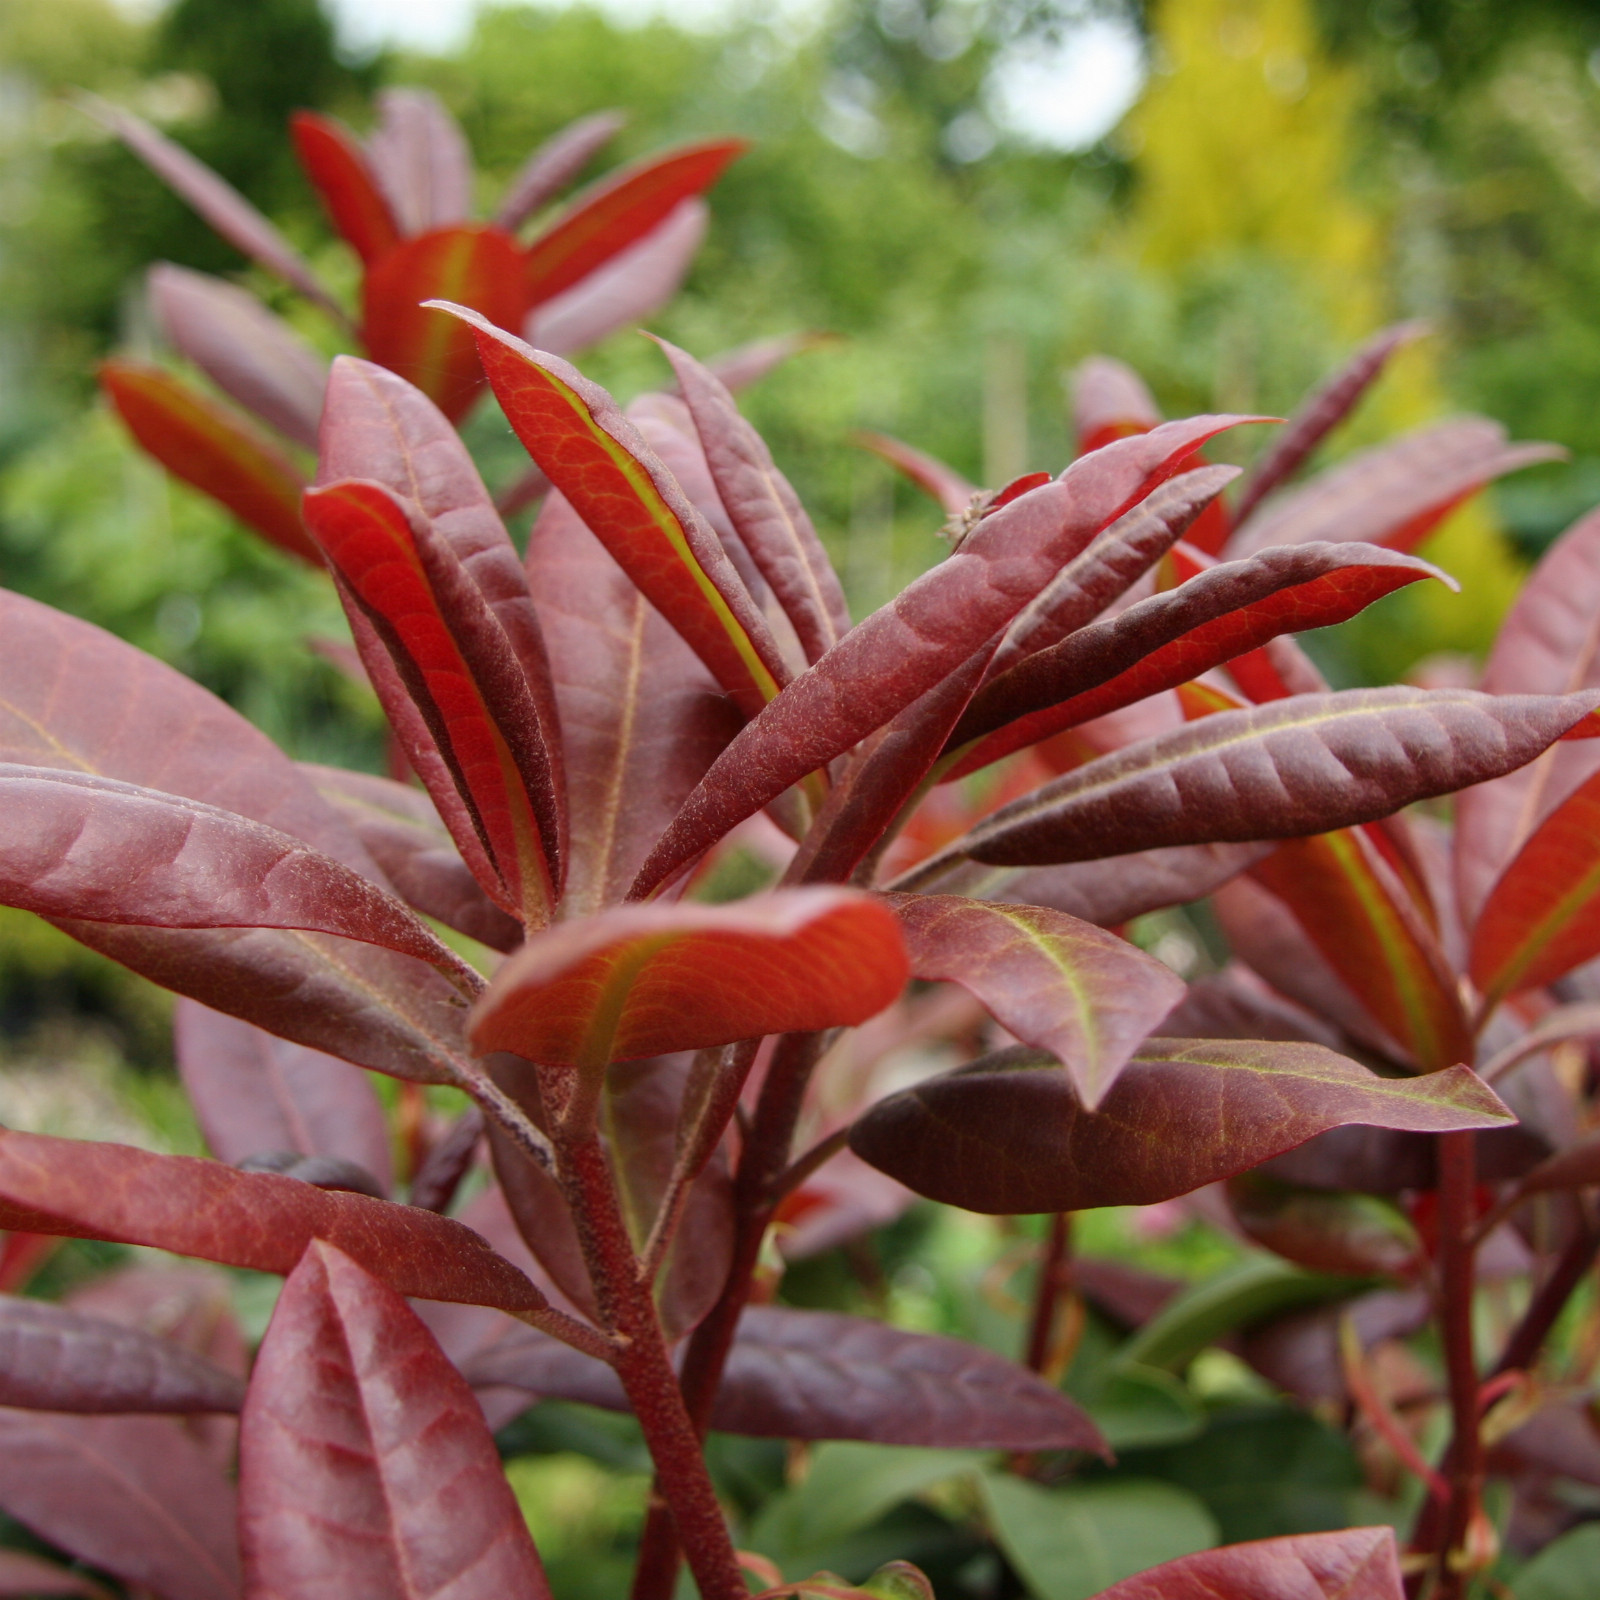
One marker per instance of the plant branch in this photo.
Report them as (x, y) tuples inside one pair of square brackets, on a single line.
[(801, 1168), (1527, 1339), (496, 1103), (1055, 1278)]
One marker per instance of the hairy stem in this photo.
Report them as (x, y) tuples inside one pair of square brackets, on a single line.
[(761, 1163), (643, 1366)]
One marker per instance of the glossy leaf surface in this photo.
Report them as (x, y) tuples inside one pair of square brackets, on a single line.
[(1170, 638), (259, 1220), (765, 510), (554, 165), (641, 717), (217, 201), (1299, 766), (252, 1093), (56, 1359), (1354, 1564), (214, 449), (89, 848), (459, 667), (1009, 1134), (364, 1463), (649, 980), (633, 505), (1356, 910), (915, 642), (616, 212), (135, 1496), (1056, 983), (821, 1375), (479, 267), (247, 351), (337, 167)]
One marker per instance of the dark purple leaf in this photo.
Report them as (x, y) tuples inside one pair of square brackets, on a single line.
[(364, 1463), (1356, 1564)]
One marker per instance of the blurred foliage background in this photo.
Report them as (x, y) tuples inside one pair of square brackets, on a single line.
[(1292, 175)]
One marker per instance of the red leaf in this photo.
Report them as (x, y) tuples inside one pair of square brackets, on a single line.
[(1397, 493), (82, 847), (1547, 644), (641, 717), (820, 1375), (1170, 638), (243, 348), (1298, 766), (633, 285), (364, 1463), (53, 1359), (1319, 414), (1355, 909), (27, 1575), (617, 212), (402, 831), (135, 1496), (555, 164), (1356, 1564), (649, 980), (1542, 917), (337, 167), (253, 1093), (955, 496), (765, 510), (1109, 402), (915, 642), (218, 202), (1056, 983), (213, 448), (633, 505), (458, 666), (1008, 1134), (420, 160), (94, 1190)]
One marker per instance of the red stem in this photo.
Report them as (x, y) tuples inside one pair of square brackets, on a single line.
[(646, 1371), (1055, 1278), (1522, 1349), (762, 1162)]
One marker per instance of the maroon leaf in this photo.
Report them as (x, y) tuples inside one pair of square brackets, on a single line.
[(1008, 1133), (29, 1575), (135, 1496), (213, 448), (252, 1092), (1355, 1234), (1170, 638), (649, 980), (244, 349), (1548, 644), (479, 267), (618, 211), (1320, 413), (1109, 402), (420, 160), (1397, 493), (1299, 766), (820, 1375), (555, 164), (746, 364), (87, 848), (633, 285), (364, 1463), (1576, 1168), (345, 183), (765, 510), (1356, 1564), (454, 661), (955, 496), (53, 1359), (401, 830), (1056, 983), (94, 1190), (908, 647), (218, 202)]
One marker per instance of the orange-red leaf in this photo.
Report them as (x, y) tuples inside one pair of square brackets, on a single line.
[(616, 212), (649, 980), (338, 170), (479, 267), (214, 448)]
